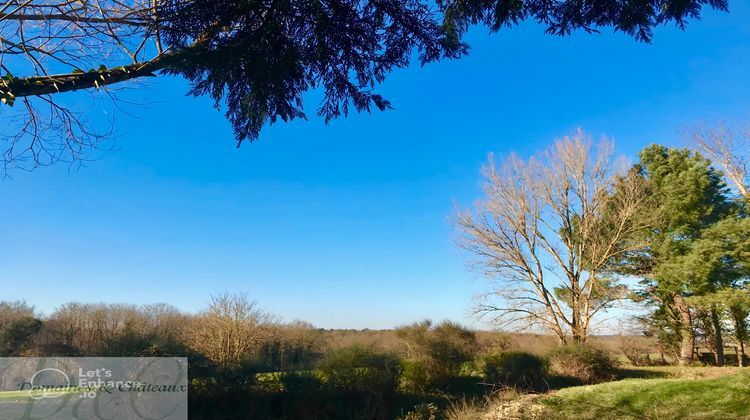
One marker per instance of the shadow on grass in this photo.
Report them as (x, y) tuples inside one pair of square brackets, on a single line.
[(307, 398), (319, 405), (465, 386), (555, 382), (559, 382), (635, 373)]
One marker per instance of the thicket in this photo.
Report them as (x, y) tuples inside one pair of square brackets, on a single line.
[(436, 354), (581, 362), (516, 369)]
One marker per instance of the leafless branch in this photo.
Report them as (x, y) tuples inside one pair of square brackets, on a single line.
[(50, 46), (564, 214), (728, 149)]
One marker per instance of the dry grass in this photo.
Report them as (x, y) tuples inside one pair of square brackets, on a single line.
[(490, 342), (465, 410), (382, 339)]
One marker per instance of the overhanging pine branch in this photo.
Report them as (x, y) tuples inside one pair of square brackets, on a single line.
[(12, 87), (75, 18)]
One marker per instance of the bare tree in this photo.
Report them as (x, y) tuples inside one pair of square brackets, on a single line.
[(547, 230), (229, 329), (93, 329), (58, 46), (729, 149)]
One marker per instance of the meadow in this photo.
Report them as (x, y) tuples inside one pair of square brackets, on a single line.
[(672, 393)]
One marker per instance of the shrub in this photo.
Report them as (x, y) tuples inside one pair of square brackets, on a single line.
[(636, 358), (427, 411), (357, 368), (464, 409), (581, 362), (236, 378), (301, 383), (451, 345), (439, 352), (493, 342), (515, 369), (295, 346), (635, 351), (414, 376), (17, 337)]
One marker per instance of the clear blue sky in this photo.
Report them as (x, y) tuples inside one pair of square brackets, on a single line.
[(348, 225)]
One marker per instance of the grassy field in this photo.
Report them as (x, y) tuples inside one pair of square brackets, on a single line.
[(25, 395), (13, 396), (684, 393)]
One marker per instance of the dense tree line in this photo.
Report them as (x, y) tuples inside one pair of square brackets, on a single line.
[(230, 331), (244, 363)]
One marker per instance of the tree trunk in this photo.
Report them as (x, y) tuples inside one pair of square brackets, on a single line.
[(741, 354), (686, 331), (578, 336), (718, 341), (740, 333), (575, 320)]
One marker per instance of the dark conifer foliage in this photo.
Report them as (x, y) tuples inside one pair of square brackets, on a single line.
[(561, 17), (260, 56), (255, 58)]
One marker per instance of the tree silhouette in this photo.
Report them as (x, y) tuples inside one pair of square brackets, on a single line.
[(254, 58)]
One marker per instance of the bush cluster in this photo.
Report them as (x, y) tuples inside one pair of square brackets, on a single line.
[(436, 355), (515, 369), (415, 376), (582, 363), (357, 368), (425, 411)]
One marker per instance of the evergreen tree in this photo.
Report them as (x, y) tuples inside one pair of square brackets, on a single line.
[(690, 198), (720, 261)]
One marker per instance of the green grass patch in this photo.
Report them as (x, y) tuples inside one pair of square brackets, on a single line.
[(724, 397), (24, 395)]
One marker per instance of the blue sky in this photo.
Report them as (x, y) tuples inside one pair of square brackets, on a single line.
[(348, 226)]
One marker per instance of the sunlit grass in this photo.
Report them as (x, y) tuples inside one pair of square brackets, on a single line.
[(724, 397), (23, 395)]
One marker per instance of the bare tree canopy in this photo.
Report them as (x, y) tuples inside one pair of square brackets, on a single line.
[(254, 58), (729, 149), (547, 230), (230, 327)]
